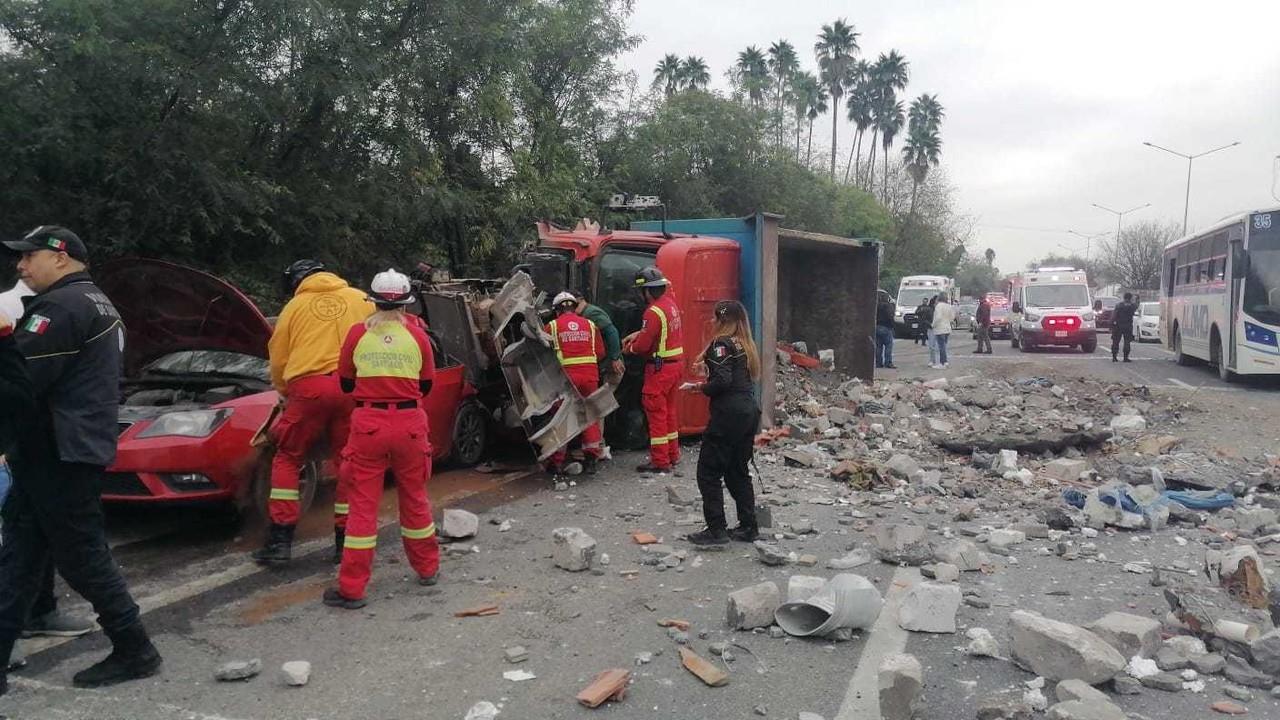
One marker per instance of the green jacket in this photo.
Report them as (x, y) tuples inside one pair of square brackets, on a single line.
[(612, 341)]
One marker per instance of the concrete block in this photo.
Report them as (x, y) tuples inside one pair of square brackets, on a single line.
[(930, 607), (901, 681), (458, 524), (1061, 651), (1065, 470), (1073, 689), (753, 607), (296, 673), (1129, 634), (1085, 710), (961, 553), (574, 549)]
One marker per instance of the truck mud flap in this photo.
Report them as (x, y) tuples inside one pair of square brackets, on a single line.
[(551, 409)]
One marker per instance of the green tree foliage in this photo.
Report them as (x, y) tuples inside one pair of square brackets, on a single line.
[(977, 277), (836, 47), (241, 134)]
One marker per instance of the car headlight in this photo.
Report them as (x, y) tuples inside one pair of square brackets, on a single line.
[(1031, 317), (193, 423), (1087, 317), (898, 312)]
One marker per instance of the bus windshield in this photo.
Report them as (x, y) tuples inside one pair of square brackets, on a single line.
[(1262, 286), (911, 297), (1057, 296)]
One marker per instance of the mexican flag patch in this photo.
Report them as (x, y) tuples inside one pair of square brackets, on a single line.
[(720, 351), (37, 324)]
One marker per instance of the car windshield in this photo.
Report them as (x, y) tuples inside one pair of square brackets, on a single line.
[(910, 298), (1057, 296), (1262, 285), (1109, 302), (1150, 309), (212, 362), (999, 312), (970, 309)]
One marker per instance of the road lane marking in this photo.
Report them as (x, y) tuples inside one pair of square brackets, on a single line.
[(1181, 384), (862, 698)]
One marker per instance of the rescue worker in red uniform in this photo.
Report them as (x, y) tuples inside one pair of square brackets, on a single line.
[(304, 359), (387, 365), (579, 347), (660, 342)]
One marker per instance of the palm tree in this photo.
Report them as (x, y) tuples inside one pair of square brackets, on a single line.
[(927, 111), (885, 78), (859, 113), (991, 256), (667, 74), (891, 119), (784, 63), (817, 106), (806, 91), (922, 151), (836, 46), (694, 74), (752, 73)]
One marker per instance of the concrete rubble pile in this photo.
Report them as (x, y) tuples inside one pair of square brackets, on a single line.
[(1026, 475)]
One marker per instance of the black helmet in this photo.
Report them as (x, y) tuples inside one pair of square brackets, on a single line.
[(294, 274), (651, 277)]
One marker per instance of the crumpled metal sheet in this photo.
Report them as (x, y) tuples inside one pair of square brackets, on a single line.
[(550, 407)]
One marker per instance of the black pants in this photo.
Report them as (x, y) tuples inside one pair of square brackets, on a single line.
[(54, 512), (1116, 335), (726, 458)]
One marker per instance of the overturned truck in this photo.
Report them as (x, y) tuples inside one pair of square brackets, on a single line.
[(795, 286)]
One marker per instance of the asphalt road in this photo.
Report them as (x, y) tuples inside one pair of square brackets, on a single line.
[(407, 656)]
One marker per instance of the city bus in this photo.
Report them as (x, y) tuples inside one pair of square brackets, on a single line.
[(1220, 295)]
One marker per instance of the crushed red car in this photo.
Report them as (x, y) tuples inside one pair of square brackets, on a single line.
[(197, 388)]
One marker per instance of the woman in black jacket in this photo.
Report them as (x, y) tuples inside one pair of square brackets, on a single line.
[(733, 366)]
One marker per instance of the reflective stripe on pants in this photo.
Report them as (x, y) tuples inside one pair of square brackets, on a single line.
[(659, 399), (382, 440), (587, 380), (316, 408)]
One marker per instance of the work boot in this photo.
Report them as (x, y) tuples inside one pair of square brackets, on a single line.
[(132, 657), (744, 534), (590, 465), (333, 598), (1127, 360), (279, 548), (57, 624), (652, 469), (339, 540), (708, 537), (429, 580)]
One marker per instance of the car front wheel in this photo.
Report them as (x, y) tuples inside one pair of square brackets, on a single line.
[(470, 434), (308, 482)]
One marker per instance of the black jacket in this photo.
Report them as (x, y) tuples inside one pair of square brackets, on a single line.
[(734, 411), (884, 314), (1122, 316), (73, 340), (17, 397)]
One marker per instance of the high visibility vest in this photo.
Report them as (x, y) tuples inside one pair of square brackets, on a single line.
[(574, 339), (669, 332), (388, 350)]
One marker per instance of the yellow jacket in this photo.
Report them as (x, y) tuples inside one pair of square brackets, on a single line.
[(312, 326)]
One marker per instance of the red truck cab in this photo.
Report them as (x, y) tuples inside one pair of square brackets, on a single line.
[(603, 264)]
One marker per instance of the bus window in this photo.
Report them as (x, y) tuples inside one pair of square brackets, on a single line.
[(1206, 260), (1219, 257), (1184, 267), (1172, 276)]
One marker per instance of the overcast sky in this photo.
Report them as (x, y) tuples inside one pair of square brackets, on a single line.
[(1048, 103)]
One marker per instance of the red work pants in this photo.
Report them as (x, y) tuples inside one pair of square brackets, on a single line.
[(586, 378), (382, 440), (316, 408), (658, 398)]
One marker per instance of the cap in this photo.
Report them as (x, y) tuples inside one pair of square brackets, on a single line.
[(391, 288), (51, 237), (562, 298)]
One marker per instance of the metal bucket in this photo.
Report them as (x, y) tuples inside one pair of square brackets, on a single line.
[(846, 601)]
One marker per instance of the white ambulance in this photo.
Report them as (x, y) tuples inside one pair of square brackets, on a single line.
[(1051, 306)]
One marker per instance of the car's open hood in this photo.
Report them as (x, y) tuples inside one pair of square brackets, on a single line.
[(168, 307)]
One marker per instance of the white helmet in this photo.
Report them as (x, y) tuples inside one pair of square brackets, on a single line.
[(391, 288), (562, 298)]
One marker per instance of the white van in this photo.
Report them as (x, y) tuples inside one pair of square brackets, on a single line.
[(1051, 307), (911, 291)]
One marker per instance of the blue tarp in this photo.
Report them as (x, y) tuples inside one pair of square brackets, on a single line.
[(1190, 499)]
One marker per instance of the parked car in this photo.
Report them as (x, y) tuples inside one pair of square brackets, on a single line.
[(197, 388), (1148, 322), (999, 323), (964, 316), (1103, 309)]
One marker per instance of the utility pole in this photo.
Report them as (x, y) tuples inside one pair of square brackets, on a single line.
[(1120, 214)]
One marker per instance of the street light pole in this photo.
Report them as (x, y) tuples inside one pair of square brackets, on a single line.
[(1120, 214), (1186, 203), (1088, 244)]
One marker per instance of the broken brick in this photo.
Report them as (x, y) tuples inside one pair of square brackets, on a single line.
[(700, 666), (608, 685)]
